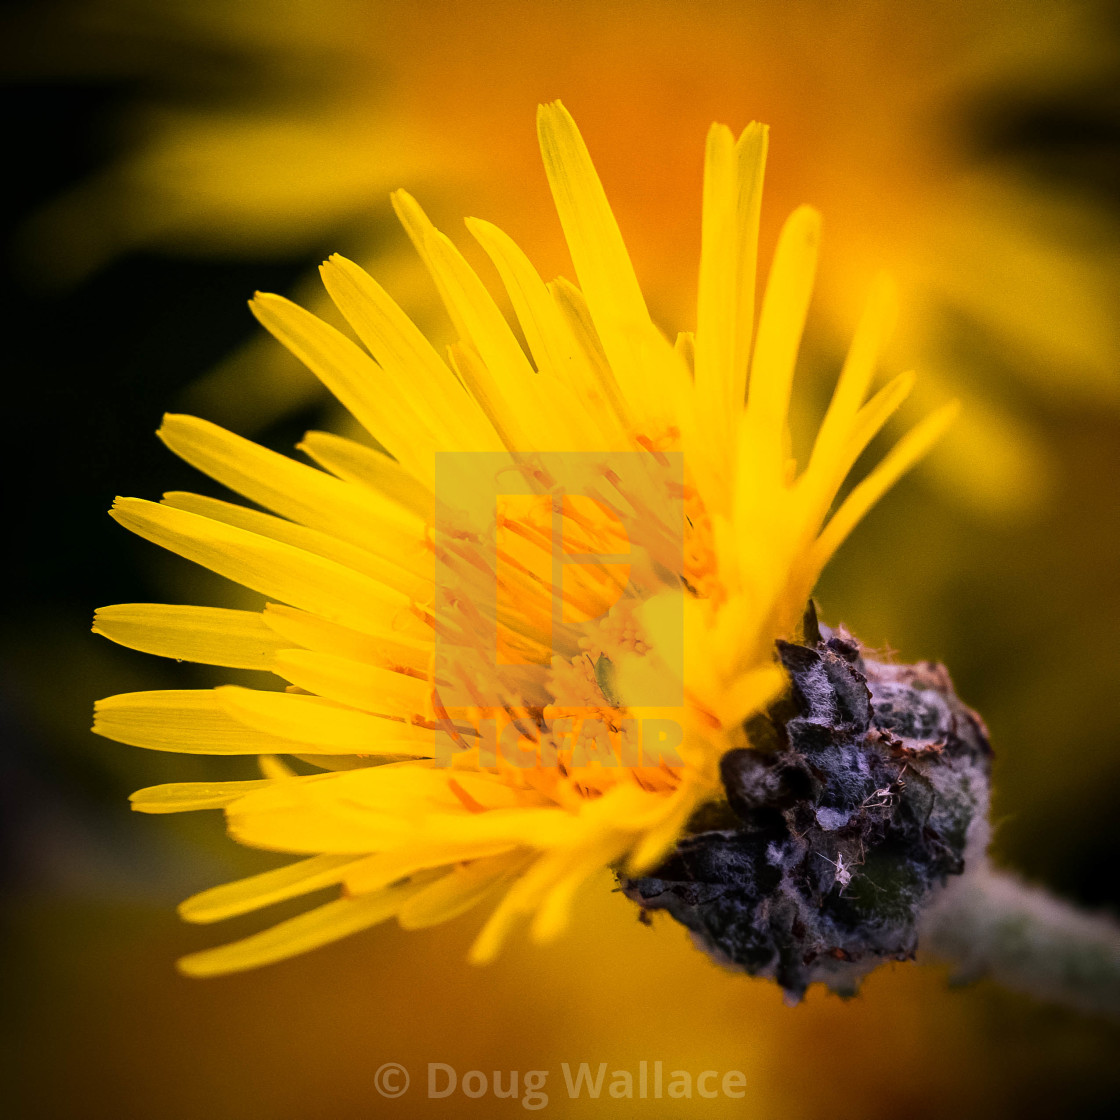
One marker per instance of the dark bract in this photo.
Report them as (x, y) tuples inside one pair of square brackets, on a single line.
[(852, 809)]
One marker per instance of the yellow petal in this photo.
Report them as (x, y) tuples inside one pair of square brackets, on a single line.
[(458, 891), (599, 254), (555, 908), (561, 871), (208, 635), (181, 797), (874, 329), (780, 324), (825, 475), (381, 870), (300, 826), (535, 827), (654, 845), (733, 172), (272, 568), (352, 376), (518, 900), (298, 935), (897, 462), (388, 649), (417, 226), (414, 584), (183, 721), (568, 383), (295, 491), (368, 467), (244, 895), (419, 374), (472, 371), (572, 305), (367, 810), (312, 725), (355, 683), (502, 380)]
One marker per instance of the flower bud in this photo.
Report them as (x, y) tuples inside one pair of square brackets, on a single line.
[(862, 792)]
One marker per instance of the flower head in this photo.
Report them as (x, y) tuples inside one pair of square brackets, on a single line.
[(519, 635)]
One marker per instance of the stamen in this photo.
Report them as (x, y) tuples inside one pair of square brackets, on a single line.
[(468, 802)]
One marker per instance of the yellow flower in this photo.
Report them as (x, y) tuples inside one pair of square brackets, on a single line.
[(516, 645)]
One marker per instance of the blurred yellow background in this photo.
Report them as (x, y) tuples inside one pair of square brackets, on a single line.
[(172, 156)]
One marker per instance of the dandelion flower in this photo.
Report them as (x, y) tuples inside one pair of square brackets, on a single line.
[(519, 636)]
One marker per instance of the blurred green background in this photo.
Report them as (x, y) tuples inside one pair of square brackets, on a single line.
[(168, 158)]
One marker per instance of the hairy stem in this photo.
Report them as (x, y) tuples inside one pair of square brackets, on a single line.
[(990, 923)]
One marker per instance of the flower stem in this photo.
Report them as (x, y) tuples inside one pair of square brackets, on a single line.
[(990, 923)]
